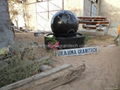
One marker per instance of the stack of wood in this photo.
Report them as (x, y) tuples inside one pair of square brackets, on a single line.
[(97, 23)]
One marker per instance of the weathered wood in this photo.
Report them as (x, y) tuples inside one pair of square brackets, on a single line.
[(93, 22), (35, 77), (89, 26), (62, 79), (96, 18)]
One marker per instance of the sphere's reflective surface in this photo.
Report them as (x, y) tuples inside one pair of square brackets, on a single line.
[(64, 23)]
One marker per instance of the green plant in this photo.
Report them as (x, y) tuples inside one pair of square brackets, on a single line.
[(52, 40), (16, 70), (21, 64)]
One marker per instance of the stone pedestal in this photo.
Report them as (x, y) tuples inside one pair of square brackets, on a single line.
[(77, 41)]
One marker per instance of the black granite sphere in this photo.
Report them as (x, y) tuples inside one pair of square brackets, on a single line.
[(64, 24)]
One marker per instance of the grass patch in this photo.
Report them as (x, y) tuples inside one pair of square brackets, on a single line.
[(16, 70), (20, 63)]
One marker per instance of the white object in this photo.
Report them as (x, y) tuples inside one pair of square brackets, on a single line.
[(77, 51)]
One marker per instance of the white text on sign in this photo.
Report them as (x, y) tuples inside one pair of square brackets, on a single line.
[(77, 51)]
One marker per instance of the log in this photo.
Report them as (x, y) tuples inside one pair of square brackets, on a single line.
[(62, 79), (48, 80), (22, 85)]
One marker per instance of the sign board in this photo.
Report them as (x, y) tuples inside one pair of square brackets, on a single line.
[(77, 51)]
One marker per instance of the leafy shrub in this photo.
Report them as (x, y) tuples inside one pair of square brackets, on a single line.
[(16, 70), (20, 62)]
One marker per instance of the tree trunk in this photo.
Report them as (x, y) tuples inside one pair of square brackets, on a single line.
[(6, 34)]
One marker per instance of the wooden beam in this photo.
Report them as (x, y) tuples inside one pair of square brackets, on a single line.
[(99, 18), (61, 78), (32, 79), (93, 22), (89, 26)]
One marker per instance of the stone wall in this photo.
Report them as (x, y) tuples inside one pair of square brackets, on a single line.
[(76, 6), (111, 9), (6, 35)]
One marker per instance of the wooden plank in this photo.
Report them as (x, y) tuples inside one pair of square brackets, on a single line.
[(96, 18), (93, 22), (89, 26), (35, 77), (61, 78), (53, 71)]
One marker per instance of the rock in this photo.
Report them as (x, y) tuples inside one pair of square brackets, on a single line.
[(37, 34), (45, 67)]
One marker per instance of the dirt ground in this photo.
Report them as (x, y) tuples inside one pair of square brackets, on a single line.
[(102, 69), (102, 72)]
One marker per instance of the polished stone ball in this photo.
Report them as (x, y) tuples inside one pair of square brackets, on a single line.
[(64, 23)]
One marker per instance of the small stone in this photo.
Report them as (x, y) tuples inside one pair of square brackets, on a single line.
[(45, 67)]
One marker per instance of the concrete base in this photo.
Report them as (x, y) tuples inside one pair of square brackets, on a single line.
[(77, 41)]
